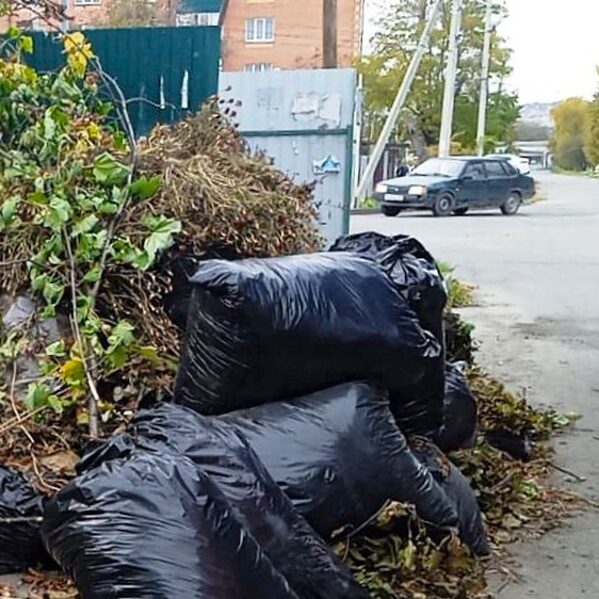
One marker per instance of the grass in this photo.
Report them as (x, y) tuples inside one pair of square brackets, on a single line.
[(368, 203), (460, 295)]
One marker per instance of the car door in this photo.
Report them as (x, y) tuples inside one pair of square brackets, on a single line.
[(499, 182), (473, 191)]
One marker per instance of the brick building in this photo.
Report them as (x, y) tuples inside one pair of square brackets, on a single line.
[(286, 34), (97, 13), (258, 35)]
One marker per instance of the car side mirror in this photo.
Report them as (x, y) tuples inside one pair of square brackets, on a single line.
[(466, 178)]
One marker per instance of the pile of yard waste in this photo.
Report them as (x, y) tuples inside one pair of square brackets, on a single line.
[(198, 401), (313, 403)]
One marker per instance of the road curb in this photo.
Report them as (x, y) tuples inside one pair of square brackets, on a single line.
[(362, 211)]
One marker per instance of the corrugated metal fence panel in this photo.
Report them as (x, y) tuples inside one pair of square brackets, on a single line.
[(303, 121), (292, 100), (295, 156), (165, 71)]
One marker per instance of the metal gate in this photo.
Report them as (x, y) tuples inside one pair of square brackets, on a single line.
[(302, 120), (163, 71)]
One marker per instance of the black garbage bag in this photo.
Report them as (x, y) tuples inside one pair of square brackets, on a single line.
[(265, 329), (182, 268), (411, 268), (291, 545), (155, 526), (418, 408), (21, 545), (517, 445), (460, 412), (339, 456), (459, 492)]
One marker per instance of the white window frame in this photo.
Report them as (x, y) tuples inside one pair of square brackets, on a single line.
[(257, 30), (204, 19), (258, 67)]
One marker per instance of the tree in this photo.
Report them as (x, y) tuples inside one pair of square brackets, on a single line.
[(591, 134), (570, 119), (393, 48), (133, 13)]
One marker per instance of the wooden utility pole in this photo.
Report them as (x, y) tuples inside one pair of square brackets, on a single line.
[(329, 33)]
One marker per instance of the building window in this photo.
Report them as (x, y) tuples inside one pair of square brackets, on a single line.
[(88, 2), (261, 29), (197, 18), (258, 67)]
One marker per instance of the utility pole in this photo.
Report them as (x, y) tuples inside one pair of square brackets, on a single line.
[(484, 82), (357, 139), (399, 102), (450, 80), (329, 33)]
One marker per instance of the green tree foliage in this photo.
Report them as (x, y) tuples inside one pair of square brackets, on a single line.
[(132, 13), (591, 137), (393, 48), (570, 119), (65, 177)]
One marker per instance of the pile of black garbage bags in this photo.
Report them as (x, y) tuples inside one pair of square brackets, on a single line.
[(312, 390)]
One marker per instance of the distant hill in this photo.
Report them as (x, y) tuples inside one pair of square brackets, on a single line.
[(535, 122)]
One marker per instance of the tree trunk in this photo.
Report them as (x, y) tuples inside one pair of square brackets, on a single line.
[(416, 135)]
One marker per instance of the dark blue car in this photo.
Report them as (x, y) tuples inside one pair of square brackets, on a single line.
[(455, 185)]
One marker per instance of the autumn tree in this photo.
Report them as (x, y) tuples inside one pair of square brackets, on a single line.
[(591, 136), (570, 126), (134, 13), (393, 47)]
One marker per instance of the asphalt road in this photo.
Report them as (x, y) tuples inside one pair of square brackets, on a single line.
[(537, 317)]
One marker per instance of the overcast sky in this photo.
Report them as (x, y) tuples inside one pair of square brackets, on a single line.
[(555, 43)]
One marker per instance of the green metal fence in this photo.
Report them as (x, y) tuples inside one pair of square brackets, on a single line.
[(163, 71)]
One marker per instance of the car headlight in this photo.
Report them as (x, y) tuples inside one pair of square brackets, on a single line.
[(417, 190), (381, 188)]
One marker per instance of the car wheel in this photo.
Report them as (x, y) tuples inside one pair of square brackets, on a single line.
[(443, 206), (460, 211), (390, 210), (512, 204)]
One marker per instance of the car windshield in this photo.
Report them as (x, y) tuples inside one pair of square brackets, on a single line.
[(438, 167)]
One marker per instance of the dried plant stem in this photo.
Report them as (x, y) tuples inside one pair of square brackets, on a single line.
[(94, 398)]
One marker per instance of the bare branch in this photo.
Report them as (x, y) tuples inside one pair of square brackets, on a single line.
[(94, 400), (22, 520)]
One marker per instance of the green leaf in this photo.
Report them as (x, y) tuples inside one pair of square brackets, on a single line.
[(59, 214), (26, 44), (38, 281), (108, 170), (122, 334), (120, 141), (49, 125), (142, 261), (125, 251), (73, 372), (55, 403), (8, 210), (161, 239), (37, 395), (145, 188), (107, 208), (37, 197), (53, 292), (93, 275), (13, 32), (84, 304), (117, 356), (56, 350), (85, 225)]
